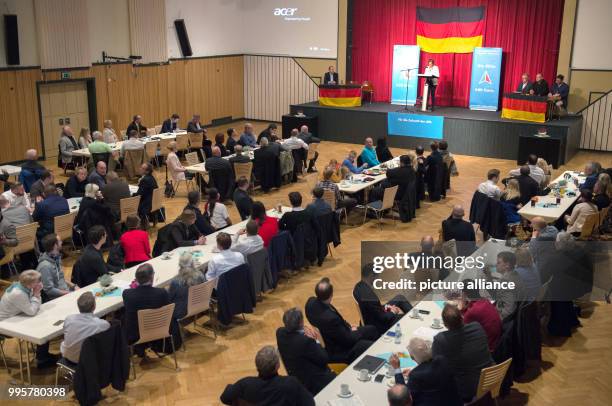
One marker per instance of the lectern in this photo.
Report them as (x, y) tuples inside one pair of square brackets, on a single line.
[(425, 89)]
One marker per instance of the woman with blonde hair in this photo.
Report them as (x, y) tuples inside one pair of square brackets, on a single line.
[(413, 159), (511, 201), (542, 164), (602, 191), (187, 276), (177, 170), (85, 138)]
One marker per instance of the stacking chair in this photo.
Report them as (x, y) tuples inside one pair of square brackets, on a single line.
[(127, 206), (163, 147), (603, 213), (156, 203), (589, 226), (361, 320), (123, 135), (153, 325), (491, 380), (151, 131), (379, 206), (337, 367), (8, 260), (192, 158), (198, 301), (195, 141), (63, 226), (67, 370), (182, 142), (330, 197), (312, 149), (158, 128), (26, 235), (151, 151), (244, 169), (2, 338)]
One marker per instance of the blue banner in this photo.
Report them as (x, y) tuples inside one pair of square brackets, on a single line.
[(486, 74), (415, 125), (404, 75)]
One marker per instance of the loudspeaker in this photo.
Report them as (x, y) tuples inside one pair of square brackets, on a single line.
[(11, 37), (181, 33)]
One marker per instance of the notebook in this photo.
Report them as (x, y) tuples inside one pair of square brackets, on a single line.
[(372, 364)]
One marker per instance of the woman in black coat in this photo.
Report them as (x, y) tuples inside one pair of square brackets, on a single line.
[(382, 151), (146, 185)]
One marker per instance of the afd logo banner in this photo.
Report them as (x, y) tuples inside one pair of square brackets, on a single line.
[(415, 125), (404, 74), (486, 74)]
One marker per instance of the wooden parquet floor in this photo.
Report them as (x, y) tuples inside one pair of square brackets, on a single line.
[(575, 371)]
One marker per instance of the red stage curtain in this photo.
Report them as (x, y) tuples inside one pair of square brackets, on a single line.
[(527, 30)]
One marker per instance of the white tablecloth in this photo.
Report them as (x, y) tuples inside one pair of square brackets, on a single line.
[(117, 146)]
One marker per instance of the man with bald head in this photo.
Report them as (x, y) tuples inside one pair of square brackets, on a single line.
[(368, 154), (98, 175), (398, 395), (239, 157), (136, 124), (32, 166), (542, 241), (216, 162), (455, 228)]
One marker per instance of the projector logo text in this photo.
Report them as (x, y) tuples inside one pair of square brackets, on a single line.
[(285, 11)]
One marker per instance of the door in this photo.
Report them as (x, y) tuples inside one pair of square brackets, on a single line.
[(62, 104)]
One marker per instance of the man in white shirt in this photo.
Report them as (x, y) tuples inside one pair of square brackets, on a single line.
[(294, 142), (490, 187), (432, 70), (17, 196), (535, 171), (132, 144), (249, 244), (225, 260), (78, 327)]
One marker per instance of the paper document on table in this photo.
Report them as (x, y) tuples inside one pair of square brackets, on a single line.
[(352, 401), (426, 333)]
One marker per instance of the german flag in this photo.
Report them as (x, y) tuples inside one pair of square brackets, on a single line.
[(450, 30), (527, 108), (340, 96)]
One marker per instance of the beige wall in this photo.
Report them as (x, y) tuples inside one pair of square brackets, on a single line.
[(581, 82), (316, 68), (342, 23)]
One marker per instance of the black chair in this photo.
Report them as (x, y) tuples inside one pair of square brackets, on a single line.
[(299, 160), (235, 293), (97, 157)]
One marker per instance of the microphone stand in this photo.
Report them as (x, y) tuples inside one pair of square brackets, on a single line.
[(407, 82)]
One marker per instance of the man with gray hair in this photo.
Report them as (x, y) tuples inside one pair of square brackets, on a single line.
[(247, 138), (431, 382), (591, 171), (31, 162), (78, 327), (14, 215), (302, 353), (268, 388), (98, 146)]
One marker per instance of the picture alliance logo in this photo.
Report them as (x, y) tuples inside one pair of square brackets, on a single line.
[(289, 14)]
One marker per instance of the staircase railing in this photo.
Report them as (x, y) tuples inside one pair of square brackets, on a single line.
[(597, 124)]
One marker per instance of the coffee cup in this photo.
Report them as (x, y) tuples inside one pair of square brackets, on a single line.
[(414, 313), (364, 375), (344, 389), (437, 322)]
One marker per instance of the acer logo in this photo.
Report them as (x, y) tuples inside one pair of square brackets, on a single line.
[(285, 11)]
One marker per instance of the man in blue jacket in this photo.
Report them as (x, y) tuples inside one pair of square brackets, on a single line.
[(368, 155), (47, 208)]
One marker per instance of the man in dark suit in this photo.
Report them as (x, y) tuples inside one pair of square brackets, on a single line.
[(268, 388), (298, 215), (455, 228), (275, 146), (201, 223), (269, 132), (318, 207), (145, 296), (216, 162), (330, 77), (241, 198), (525, 86), (372, 311), (265, 166), (302, 353), (171, 124), (431, 382), (113, 191), (434, 176), (46, 210), (401, 176), (466, 349), (194, 126), (540, 86), (343, 342), (527, 185), (136, 125), (308, 138)]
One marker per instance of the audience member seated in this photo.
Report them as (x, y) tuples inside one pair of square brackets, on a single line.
[(542, 242), (266, 168), (98, 146), (132, 143), (8, 233), (602, 191), (136, 125), (241, 198), (31, 162), (98, 175), (146, 185), (176, 169), (399, 395), (511, 201), (108, 133), (247, 138), (584, 208), (170, 125), (135, 243), (339, 172), (182, 232), (349, 162), (113, 191), (481, 310), (216, 162), (78, 327), (368, 154), (466, 349), (92, 212), (225, 260), (591, 171), (219, 143), (75, 186), (216, 211), (194, 126), (455, 228), (341, 202), (251, 243), (46, 210), (267, 388), (372, 311), (301, 351), (268, 132), (528, 187), (233, 139), (308, 138), (427, 253), (14, 216), (268, 226), (319, 206), (67, 144), (431, 382), (17, 196), (535, 172), (542, 164), (490, 187), (202, 223), (37, 189), (382, 151), (528, 273), (187, 276), (291, 220), (50, 268), (343, 342), (239, 157), (85, 138), (507, 300), (91, 265)]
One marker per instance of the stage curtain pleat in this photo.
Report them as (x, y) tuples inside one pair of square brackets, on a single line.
[(528, 32), (148, 30)]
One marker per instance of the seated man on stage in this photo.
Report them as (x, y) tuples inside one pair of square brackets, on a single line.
[(540, 86), (432, 82), (331, 76), (559, 92), (525, 86)]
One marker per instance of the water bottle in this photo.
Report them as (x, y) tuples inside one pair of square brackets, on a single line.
[(398, 334)]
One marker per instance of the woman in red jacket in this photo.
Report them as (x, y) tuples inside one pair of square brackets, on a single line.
[(135, 243)]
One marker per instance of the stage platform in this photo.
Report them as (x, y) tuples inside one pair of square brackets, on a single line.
[(468, 132)]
